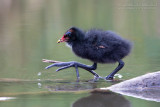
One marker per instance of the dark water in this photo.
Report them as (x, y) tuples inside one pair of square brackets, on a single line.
[(29, 30)]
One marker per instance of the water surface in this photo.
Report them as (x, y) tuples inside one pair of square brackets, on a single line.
[(29, 30)]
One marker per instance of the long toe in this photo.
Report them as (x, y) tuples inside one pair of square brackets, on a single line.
[(60, 64)]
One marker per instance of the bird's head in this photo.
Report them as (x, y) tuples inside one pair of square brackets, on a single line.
[(71, 35), (66, 37)]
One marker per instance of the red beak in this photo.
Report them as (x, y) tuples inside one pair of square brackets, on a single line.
[(63, 39)]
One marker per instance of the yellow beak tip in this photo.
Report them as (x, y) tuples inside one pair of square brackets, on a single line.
[(58, 41)]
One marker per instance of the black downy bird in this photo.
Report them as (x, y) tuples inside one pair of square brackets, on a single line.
[(96, 45)]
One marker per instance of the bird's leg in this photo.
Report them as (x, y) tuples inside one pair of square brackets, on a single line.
[(65, 65), (111, 75), (77, 73)]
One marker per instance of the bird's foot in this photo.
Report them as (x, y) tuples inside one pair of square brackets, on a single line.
[(109, 78), (64, 65), (111, 75)]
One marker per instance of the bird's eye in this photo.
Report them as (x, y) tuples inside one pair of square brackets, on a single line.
[(68, 34)]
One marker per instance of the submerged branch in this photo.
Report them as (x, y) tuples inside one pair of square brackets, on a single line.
[(50, 61)]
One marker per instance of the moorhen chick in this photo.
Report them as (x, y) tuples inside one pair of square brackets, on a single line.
[(96, 45)]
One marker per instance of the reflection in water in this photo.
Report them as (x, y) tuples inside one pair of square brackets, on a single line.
[(70, 86), (102, 99)]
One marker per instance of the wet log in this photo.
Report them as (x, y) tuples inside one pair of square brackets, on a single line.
[(147, 81), (144, 87)]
